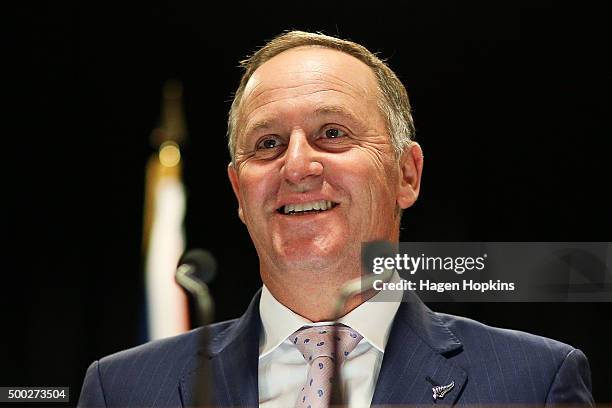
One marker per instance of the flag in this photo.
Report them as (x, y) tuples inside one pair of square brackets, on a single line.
[(163, 235)]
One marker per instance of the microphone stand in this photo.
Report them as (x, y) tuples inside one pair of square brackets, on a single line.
[(198, 289), (351, 288), (199, 292)]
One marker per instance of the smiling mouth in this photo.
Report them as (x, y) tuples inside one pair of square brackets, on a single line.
[(307, 208)]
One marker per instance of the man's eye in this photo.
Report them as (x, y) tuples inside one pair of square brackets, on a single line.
[(268, 144), (333, 133)]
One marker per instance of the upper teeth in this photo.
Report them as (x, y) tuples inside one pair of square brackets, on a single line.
[(321, 205)]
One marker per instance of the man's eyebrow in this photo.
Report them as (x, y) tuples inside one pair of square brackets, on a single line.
[(262, 124), (339, 110), (334, 110)]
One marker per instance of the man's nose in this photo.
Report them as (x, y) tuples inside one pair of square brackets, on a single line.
[(301, 164)]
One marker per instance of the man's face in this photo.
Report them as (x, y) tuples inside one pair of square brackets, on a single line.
[(315, 173)]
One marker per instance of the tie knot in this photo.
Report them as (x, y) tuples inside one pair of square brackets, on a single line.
[(319, 341)]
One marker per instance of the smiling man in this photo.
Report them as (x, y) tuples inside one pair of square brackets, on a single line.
[(316, 174), (322, 160)]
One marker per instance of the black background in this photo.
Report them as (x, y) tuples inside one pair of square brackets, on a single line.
[(511, 104)]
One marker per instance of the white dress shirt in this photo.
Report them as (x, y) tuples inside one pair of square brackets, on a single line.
[(283, 370)]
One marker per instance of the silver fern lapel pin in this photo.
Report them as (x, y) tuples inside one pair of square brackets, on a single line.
[(439, 391)]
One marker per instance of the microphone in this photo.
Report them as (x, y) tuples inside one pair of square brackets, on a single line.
[(364, 283), (370, 251), (196, 269)]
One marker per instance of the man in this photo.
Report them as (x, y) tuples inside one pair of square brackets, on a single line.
[(322, 160)]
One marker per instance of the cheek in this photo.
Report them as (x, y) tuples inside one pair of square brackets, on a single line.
[(348, 176), (256, 185), (367, 177)]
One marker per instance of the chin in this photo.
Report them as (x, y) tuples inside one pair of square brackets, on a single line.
[(306, 256)]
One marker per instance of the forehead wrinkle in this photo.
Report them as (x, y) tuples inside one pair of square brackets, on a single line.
[(324, 76), (356, 88), (266, 122), (258, 96), (294, 76), (302, 95)]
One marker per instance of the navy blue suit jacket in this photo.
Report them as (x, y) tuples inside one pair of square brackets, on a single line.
[(487, 365)]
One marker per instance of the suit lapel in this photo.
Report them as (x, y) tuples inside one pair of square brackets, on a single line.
[(232, 359), (415, 357)]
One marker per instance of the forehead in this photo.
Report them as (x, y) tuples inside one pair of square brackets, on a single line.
[(312, 73)]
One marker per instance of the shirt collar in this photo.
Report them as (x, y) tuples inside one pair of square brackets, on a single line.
[(371, 319)]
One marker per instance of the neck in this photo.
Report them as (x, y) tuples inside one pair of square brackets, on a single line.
[(312, 295), (312, 289)]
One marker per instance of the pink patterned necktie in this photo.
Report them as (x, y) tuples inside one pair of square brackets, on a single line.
[(315, 344)]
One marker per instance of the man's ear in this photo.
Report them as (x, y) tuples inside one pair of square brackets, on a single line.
[(233, 176), (411, 169)]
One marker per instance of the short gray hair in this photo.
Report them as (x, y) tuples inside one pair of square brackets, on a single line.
[(393, 100)]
